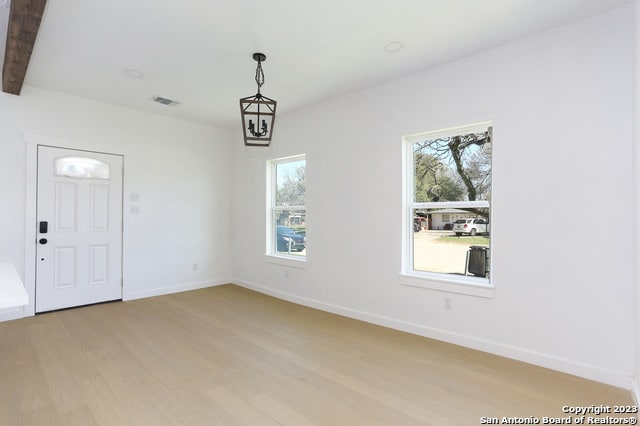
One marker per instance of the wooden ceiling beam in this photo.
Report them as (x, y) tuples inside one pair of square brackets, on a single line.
[(22, 30)]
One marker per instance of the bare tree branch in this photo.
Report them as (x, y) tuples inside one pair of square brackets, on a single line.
[(473, 172)]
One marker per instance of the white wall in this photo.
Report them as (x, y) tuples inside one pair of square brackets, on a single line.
[(636, 143), (561, 107), (180, 170)]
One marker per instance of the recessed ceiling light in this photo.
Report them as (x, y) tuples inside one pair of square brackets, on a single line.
[(133, 73), (393, 46)]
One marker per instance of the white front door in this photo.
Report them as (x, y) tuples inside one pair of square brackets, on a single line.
[(79, 228)]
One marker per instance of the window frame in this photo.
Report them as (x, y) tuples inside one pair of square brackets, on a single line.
[(271, 254), (474, 286)]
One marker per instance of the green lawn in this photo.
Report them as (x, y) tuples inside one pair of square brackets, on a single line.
[(478, 240)]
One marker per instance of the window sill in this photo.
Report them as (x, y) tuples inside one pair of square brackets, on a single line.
[(472, 286), (294, 262)]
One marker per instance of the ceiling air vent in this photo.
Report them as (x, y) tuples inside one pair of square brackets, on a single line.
[(165, 101)]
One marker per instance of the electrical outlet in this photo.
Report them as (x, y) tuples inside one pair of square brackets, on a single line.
[(448, 303), (195, 266)]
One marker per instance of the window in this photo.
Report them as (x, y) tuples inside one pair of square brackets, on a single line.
[(287, 228), (448, 190), (82, 167)]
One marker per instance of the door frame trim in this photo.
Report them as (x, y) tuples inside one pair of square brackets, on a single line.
[(32, 142)]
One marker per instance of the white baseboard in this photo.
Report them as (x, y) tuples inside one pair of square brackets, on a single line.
[(635, 391), (161, 291), (615, 378), (9, 314)]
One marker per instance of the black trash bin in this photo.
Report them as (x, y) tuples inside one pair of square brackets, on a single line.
[(478, 261)]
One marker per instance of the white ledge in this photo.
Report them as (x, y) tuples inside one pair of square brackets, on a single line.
[(294, 262), (12, 292), (471, 286)]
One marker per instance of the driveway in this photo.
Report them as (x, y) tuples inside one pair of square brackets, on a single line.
[(437, 256)]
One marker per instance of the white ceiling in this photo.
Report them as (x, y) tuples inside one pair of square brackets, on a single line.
[(199, 52)]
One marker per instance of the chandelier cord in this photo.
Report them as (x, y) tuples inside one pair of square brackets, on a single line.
[(259, 76)]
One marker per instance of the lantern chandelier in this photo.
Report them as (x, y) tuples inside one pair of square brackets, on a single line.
[(258, 112)]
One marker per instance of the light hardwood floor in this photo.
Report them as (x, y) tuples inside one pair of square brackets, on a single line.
[(227, 355)]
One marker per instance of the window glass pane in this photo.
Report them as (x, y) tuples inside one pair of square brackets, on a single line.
[(452, 241), (290, 183), (290, 232), (82, 167), (287, 235), (453, 168)]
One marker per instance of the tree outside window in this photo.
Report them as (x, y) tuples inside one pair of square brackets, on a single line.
[(287, 232), (450, 179)]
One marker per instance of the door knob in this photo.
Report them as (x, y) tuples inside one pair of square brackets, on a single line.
[(42, 241)]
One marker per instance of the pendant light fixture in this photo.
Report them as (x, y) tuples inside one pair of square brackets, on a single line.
[(258, 112)]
